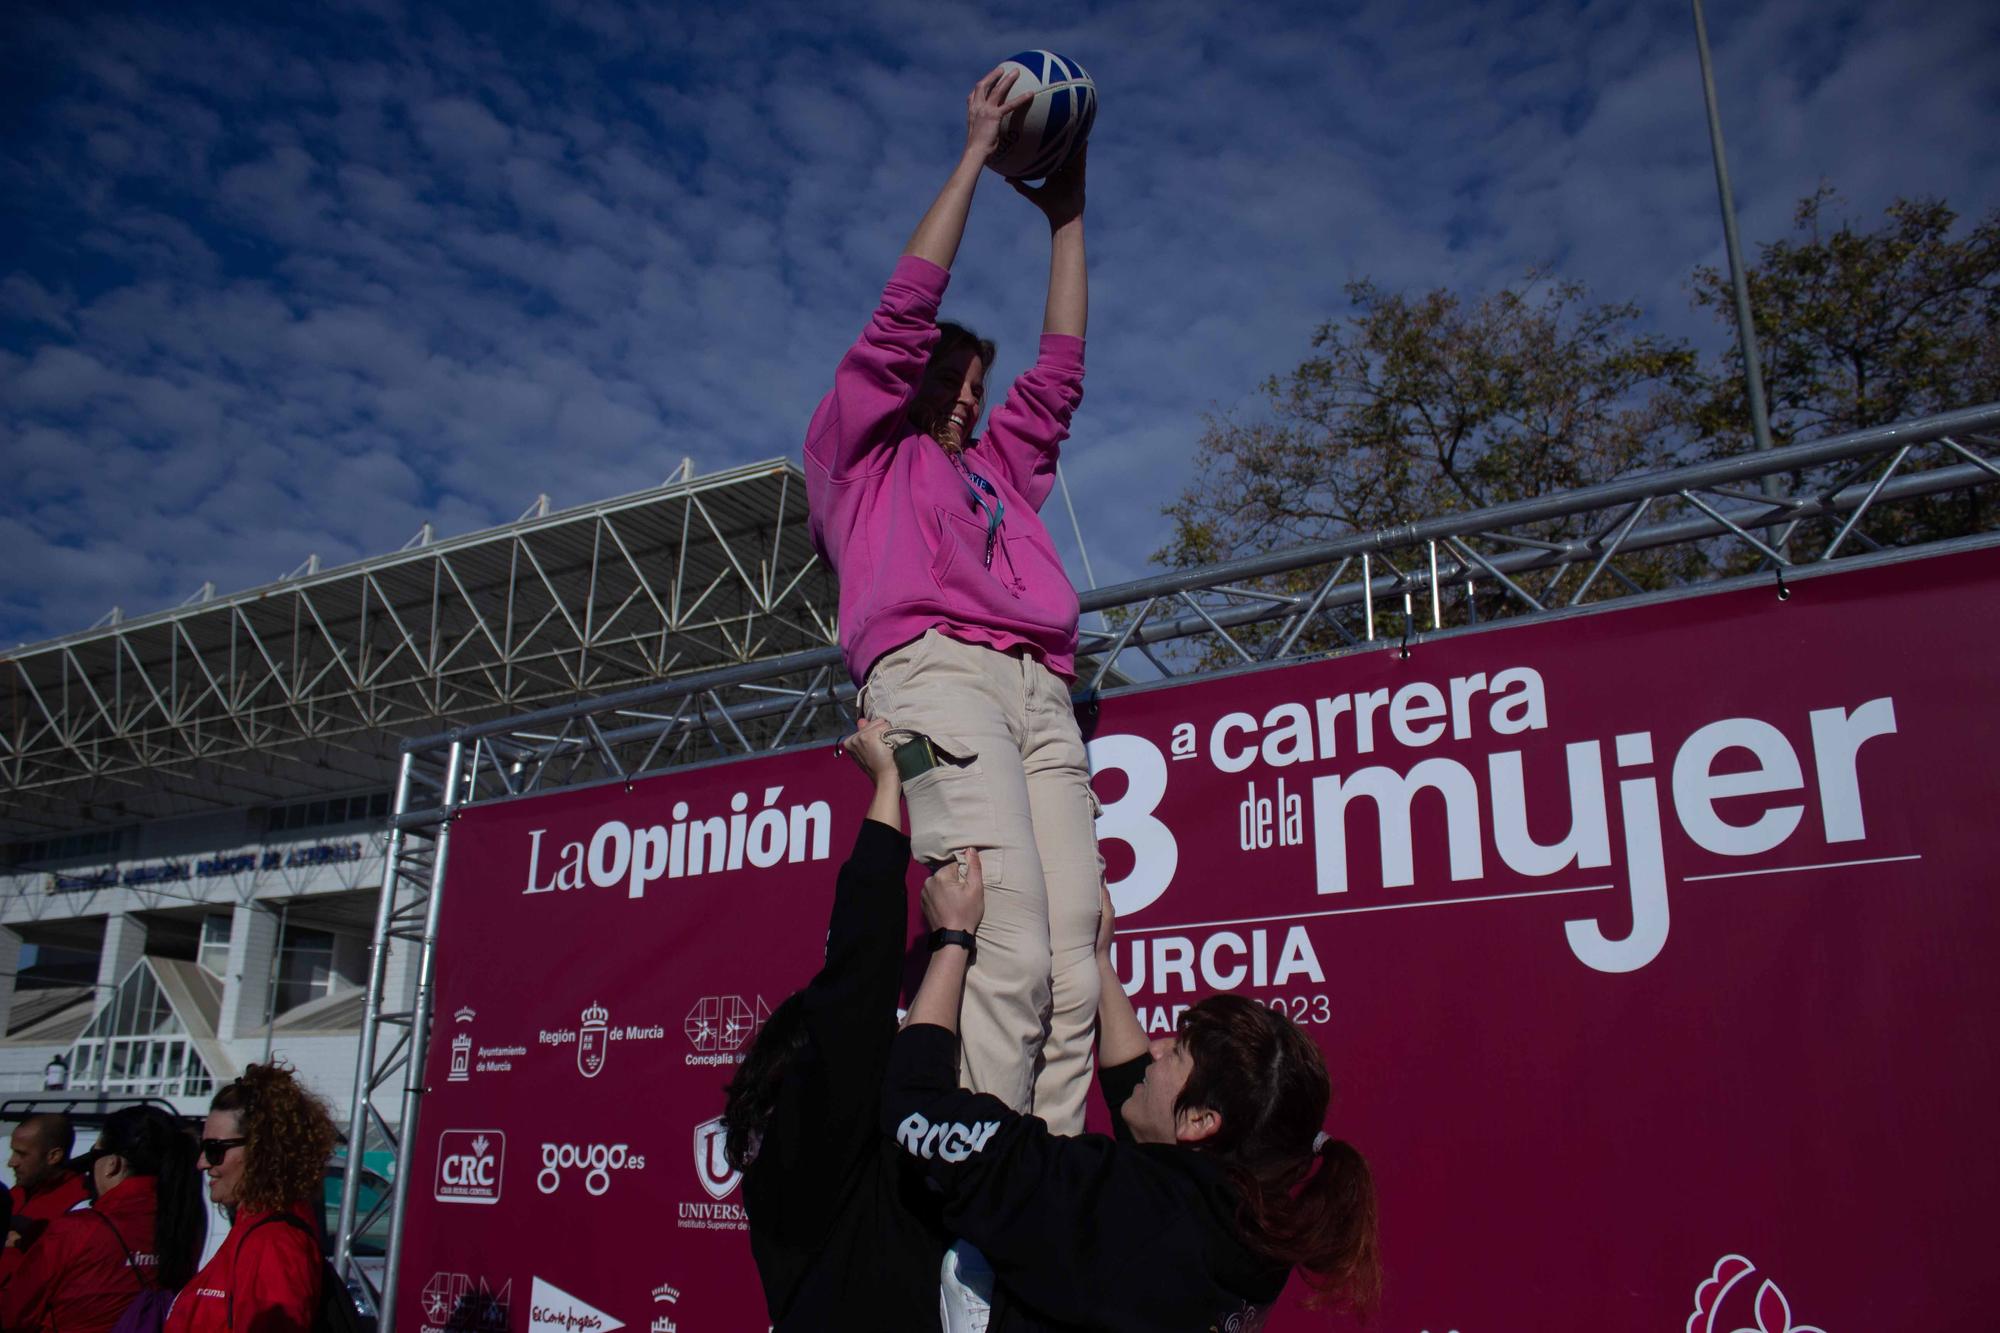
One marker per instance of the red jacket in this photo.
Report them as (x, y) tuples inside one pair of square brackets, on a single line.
[(266, 1281), (44, 1206), (77, 1277)]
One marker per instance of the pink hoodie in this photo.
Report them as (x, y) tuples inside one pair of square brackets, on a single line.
[(896, 519)]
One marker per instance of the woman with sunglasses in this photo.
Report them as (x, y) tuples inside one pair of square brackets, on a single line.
[(264, 1145), (140, 1237), (959, 623)]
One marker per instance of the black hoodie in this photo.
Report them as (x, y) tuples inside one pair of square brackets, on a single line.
[(1084, 1231), (844, 1233)]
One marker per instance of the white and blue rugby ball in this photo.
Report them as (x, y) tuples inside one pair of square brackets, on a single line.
[(1041, 136)]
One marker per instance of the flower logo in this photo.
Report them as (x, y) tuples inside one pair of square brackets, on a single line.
[(1769, 1307)]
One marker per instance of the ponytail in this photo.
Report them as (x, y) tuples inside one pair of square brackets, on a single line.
[(153, 1143), (1327, 1229), (181, 1224), (1308, 1201)]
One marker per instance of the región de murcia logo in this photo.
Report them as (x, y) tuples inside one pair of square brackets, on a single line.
[(593, 1041), (594, 1035)]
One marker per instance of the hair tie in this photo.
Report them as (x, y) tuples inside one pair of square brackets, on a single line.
[(1319, 1141)]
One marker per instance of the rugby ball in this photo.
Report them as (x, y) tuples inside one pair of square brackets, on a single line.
[(1041, 136)]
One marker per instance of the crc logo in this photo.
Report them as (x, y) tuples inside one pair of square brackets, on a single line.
[(723, 1022), (593, 1040), (711, 1160), (596, 1160), (470, 1165)]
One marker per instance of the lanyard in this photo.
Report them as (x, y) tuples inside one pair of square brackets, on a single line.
[(989, 501)]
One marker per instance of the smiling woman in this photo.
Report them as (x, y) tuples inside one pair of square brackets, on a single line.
[(264, 1147), (957, 619)]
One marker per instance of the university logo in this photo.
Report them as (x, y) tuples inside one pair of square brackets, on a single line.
[(711, 1161), (470, 1165), (593, 1040)]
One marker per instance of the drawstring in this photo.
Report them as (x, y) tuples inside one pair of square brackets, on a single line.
[(989, 502)]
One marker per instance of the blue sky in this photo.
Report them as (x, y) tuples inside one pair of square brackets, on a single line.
[(291, 279)]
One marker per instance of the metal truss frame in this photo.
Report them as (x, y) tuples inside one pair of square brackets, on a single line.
[(216, 701), (1533, 558)]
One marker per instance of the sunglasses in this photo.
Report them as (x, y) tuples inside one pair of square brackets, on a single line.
[(214, 1150)]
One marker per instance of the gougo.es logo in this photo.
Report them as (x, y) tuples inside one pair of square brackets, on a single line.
[(596, 1160)]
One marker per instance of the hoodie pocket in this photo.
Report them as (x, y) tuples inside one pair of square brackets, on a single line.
[(961, 573)]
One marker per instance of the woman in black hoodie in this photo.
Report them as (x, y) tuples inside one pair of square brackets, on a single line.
[(1218, 1182), (844, 1234)]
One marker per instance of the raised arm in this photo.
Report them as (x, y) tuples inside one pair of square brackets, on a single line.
[(1119, 1036), (869, 747), (852, 429), (1060, 198), (864, 934), (1028, 429), (937, 236)]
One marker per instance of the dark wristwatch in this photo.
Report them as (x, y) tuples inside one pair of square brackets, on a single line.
[(940, 938)]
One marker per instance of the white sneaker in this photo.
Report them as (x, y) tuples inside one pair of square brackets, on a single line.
[(965, 1290)]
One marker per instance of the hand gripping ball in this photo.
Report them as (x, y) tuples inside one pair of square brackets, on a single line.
[(1041, 136)]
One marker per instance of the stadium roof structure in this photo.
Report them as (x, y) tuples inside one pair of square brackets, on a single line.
[(305, 686)]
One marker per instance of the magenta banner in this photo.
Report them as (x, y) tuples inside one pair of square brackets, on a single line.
[(1653, 951)]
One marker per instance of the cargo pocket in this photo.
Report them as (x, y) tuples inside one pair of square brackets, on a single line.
[(951, 807)]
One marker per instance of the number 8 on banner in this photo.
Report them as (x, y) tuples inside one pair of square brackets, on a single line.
[(1130, 820)]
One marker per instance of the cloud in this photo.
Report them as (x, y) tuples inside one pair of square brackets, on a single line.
[(302, 281)]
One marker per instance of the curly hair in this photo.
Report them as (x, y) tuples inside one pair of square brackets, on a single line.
[(288, 1135)]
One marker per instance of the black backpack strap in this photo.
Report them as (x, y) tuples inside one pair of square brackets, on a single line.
[(118, 1235)]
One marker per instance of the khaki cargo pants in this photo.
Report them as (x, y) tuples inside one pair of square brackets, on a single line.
[(1020, 796)]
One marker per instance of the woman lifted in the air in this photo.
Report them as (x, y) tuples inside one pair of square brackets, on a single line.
[(958, 622)]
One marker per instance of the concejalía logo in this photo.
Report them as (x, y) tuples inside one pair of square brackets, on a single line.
[(596, 1160), (466, 1303), (719, 1025)]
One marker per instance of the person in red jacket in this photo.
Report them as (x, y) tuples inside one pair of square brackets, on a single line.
[(144, 1230), (46, 1184), (264, 1146)]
